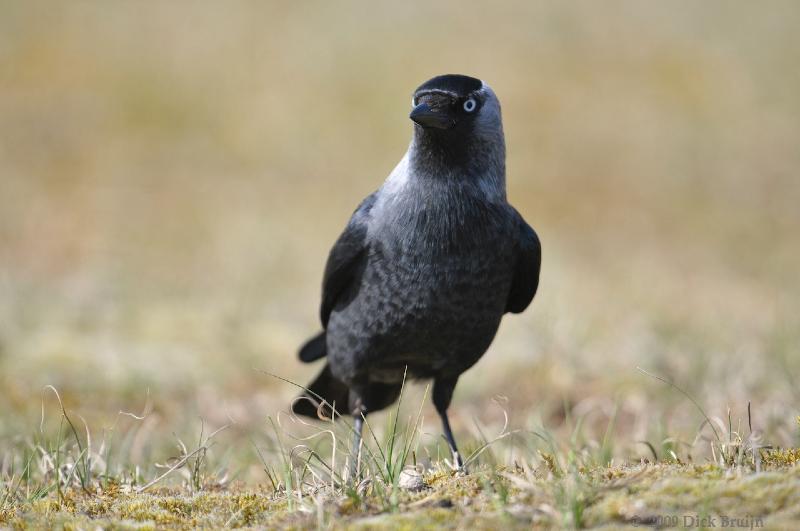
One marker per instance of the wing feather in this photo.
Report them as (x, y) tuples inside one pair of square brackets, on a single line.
[(526, 269), (346, 259)]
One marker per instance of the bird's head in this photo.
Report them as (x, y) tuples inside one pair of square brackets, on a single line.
[(457, 119), (455, 103)]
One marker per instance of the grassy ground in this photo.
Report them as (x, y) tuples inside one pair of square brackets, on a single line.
[(746, 486), (171, 179), (644, 495)]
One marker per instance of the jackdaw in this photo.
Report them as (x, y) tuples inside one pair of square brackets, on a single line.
[(428, 264)]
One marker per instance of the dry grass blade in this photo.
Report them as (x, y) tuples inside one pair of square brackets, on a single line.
[(182, 461), (687, 395)]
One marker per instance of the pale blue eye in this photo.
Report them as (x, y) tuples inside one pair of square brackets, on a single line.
[(470, 105)]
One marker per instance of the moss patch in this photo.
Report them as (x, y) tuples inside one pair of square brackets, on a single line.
[(488, 498)]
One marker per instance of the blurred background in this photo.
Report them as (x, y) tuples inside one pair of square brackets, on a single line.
[(172, 176)]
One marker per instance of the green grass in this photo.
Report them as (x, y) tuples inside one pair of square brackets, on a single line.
[(63, 481), (487, 498), (561, 490)]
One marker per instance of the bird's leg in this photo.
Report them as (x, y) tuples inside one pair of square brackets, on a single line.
[(358, 424), (442, 394), (451, 441), (359, 412)]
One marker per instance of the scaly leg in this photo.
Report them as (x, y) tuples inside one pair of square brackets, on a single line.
[(442, 394), (359, 413)]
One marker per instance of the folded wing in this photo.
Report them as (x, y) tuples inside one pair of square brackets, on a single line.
[(527, 267)]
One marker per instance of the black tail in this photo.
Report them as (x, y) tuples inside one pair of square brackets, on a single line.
[(314, 349), (332, 391)]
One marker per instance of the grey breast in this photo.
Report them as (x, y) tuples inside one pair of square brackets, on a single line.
[(433, 289)]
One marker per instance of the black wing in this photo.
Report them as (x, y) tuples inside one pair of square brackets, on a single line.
[(345, 260), (526, 269)]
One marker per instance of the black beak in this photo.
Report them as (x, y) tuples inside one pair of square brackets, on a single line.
[(427, 117)]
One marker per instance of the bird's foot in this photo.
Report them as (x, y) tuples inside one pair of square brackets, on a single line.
[(458, 465)]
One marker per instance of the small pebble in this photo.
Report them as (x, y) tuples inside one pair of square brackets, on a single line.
[(411, 479)]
